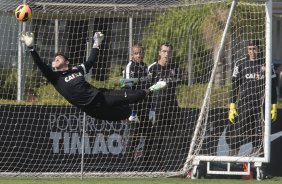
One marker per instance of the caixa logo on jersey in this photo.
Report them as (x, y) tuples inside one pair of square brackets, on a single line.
[(101, 137), (256, 76)]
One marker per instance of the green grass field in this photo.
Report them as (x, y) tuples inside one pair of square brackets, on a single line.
[(17, 180)]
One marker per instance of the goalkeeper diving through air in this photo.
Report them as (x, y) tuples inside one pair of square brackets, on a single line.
[(100, 103)]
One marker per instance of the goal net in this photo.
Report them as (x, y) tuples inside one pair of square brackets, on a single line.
[(41, 133)]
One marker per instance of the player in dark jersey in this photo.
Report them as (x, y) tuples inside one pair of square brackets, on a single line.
[(136, 69), (164, 102), (106, 104), (164, 105), (248, 83)]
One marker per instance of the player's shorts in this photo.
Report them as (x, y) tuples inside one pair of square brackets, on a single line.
[(111, 113)]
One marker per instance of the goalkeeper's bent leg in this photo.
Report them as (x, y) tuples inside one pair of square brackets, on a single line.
[(122, 97), (113, 105)]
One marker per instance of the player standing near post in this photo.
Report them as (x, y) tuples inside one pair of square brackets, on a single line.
[(248, 83), (106, 104)]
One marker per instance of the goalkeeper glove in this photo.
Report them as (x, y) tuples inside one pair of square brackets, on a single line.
[(128, 82), (232, 113), (27, 38), (97, 39), (273, 112)]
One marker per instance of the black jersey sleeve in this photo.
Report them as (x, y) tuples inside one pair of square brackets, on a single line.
[(273, 87), (274, 93), (234, 90), (152, 72), (177, 78), (91, 59), (235, 83), (145, 77), (47, 71), (127, 70)]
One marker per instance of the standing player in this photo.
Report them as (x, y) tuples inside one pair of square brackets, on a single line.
[(165, 102), (136, 69), (248, 83), (106, 104), (164, 105)]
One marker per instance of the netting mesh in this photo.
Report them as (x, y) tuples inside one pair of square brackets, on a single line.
[(248, 23), (42, 133)]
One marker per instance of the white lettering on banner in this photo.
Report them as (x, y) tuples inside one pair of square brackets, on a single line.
[(72, 143), (66, 131), (100, 145), (66, 142), (113, 141), (75, 143), (56, 136), (74, 123)]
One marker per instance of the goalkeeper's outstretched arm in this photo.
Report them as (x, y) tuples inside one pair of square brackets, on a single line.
[(47, 71), (28, 39), (97, 39)]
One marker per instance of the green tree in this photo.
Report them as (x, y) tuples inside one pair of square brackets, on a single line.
[(178, 25), (204, 24), (9, 81)]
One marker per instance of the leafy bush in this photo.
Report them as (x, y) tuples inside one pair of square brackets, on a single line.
[(192, 96), (178, 26), (47, 94), (8, 88)]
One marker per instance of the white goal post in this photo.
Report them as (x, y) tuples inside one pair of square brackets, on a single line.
[(41, 134), (262, 154)]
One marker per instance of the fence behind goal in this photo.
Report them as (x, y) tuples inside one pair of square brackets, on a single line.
[(43, 134)]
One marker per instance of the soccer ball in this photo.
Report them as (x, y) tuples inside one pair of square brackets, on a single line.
[(23, 13)]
